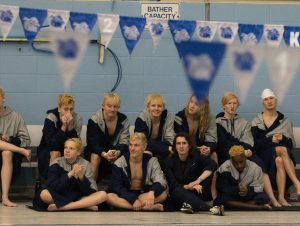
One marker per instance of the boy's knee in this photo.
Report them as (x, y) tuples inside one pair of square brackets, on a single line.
[(95, 158), (279, 162)]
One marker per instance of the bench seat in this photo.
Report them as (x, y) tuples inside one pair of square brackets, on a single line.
[(35, 132)]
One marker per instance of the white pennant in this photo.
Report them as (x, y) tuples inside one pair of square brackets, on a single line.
[(68, 48), (244, 64), (206, 30), (107, 24), (58, 19), (157, 28), (282, 64), (273, 34), (227, 32), (8, 16)]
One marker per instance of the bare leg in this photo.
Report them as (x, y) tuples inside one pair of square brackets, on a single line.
[(247, 205), (46, 197), (95, 163), (157, 206), (214, 157), (120, 203), (288, 166), (54, 155), (162, 197), (268, 189), (214, 191), (6, 174), (13, 148), (281, 180), (90, 202)]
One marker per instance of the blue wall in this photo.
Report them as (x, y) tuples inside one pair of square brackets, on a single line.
[(32, 82)]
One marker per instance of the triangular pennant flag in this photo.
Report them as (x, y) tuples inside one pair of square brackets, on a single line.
[(68, 49), (250, 34), (107, 24), (32, 21), (8, 16), (156, 27), (291, 36), (58, 19), (182, 31), (132, 29), (201, 63), (282, 65), (227, 32), (244, 64), (82, 22), (273, 34), (206, 30)]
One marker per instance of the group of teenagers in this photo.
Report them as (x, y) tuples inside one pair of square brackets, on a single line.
[(167, 164)]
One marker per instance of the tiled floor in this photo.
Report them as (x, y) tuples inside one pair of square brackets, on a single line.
[(22, 215)]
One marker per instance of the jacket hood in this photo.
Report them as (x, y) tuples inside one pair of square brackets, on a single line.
[(7, 111)]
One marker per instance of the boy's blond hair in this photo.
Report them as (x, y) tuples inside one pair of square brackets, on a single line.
[(2, 93), (229, 96), (112, 98), (78, 143), (155, 97), (65, 99), (139, 136), (236, 150)]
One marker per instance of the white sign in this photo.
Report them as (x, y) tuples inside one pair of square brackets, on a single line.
[(168, 11)]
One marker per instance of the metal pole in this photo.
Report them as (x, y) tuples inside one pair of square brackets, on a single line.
[(207, 10)]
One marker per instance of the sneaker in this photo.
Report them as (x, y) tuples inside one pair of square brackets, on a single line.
[(187, 208), (217, 210)]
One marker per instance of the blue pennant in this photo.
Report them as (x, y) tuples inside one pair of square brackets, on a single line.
[(82, 22), (250, 33), (182, 31), (32, 21), (131, 29), (291, 36), (201, 63)]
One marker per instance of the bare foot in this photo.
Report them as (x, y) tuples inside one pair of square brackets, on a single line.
[(8, 203), (26, 153), (93, 208), (283, 202), (52, 207), (267, 207), (155, 207), (275, 203)]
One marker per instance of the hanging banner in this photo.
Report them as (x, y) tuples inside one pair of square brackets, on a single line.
[(250, 34), (291, 36), (273, 34), (82, 22), (181, 30), (157, 28), (58, 19), (201, 62), (107, 24), (244, 65), (8, 16), (68, 48), (282, 65), (32, 21), (132, 29), (227, 32), (206, 30)]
